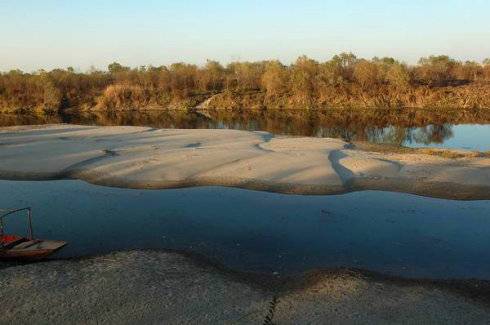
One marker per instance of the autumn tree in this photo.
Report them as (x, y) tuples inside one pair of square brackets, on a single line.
[(115, 67), (436, 70), (486, 69), (51, 95), (398, 76), (302, 82), (366, 73), (211, 77), (345, 62), (275, 78), (244, 76), (468, 71), (182, 79), (331, 73), (384, 64)]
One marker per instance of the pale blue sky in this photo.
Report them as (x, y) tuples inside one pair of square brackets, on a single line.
[(53, 33)]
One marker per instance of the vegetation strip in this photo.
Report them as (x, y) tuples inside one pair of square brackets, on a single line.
[(343, 81)]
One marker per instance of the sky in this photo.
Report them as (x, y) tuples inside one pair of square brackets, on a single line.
[(49, 34)]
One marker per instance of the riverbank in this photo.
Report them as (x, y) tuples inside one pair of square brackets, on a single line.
[(156, 287), (345, 81), (467, 99), (141, 157)]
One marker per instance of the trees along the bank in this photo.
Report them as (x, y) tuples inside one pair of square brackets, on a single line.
[(211, 77), (275, 79), (244, 76), (468, 71), (183, 79), (302, 80), (398, 76), (344, 79), (436, 70), (366, 74), (486, 69)]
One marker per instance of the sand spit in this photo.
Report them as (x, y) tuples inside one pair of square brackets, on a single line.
[(141, 157), (169, 288)]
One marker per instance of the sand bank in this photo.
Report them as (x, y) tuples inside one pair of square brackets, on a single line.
[(166, 287), (141, 157)]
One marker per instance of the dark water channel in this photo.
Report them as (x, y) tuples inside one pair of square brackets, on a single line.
[(392, 233)]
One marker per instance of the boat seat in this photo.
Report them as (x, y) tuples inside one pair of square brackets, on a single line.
[(26, 244), (7, 241)]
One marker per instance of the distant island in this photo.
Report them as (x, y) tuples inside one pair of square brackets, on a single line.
[(345, 81)]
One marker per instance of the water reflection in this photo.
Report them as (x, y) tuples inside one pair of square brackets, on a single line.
[(407, 128), (427, 135)]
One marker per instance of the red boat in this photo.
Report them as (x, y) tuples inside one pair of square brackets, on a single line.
[(18, 248)]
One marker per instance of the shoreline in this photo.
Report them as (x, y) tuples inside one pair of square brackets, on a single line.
[(167, 281), (475, 288), (446, 191)]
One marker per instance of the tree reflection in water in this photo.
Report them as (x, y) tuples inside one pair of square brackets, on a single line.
[(396, 127), (432, 134)]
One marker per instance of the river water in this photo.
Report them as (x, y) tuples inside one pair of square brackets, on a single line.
[(426, 130), (392, 233)]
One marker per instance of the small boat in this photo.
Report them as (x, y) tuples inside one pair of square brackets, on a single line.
[(18, 248)]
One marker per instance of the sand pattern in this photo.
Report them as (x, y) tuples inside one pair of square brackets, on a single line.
[(142, 157)]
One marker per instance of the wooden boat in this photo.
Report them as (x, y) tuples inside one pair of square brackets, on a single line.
[(18, 248)]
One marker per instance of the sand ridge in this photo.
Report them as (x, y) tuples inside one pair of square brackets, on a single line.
[(143, 157)]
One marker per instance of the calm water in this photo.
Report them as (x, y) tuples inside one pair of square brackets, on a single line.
[(392, 233), (405, 129)]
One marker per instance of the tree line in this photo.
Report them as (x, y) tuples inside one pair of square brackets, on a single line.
[(344, 80)]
